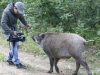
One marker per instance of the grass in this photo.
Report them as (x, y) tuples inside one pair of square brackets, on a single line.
[(29, 45), (2, 57), (97, 72), (30, 68), (3, 40)]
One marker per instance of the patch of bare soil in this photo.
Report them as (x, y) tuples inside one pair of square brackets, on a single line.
[(36, 65)]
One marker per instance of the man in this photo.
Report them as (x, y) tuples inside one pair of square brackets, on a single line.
[(11, 14)]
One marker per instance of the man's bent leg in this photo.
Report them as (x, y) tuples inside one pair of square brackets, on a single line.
[(9, 59), (17, 61), (15, 52)]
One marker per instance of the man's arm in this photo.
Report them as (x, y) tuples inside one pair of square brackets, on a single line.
[(4, 25), (22, 19)]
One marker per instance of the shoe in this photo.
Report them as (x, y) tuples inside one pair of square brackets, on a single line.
[(10, 62), (20, 66)]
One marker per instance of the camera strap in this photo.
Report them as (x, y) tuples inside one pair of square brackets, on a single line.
[(9, 45)]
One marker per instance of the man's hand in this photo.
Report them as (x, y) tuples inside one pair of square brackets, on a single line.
[(27, 26), (15, 32)]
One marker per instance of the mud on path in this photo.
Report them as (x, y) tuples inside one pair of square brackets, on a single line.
[(36, 65)]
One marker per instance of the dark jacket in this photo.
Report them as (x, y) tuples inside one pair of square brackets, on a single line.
[(9, 19)]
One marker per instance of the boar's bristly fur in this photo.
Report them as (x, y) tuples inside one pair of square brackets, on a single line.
[(63, 45)]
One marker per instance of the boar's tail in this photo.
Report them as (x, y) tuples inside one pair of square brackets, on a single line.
[(93, 41)]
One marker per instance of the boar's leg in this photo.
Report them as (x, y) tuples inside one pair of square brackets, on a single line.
[(85, 65), (56, 67), (77, 68), (51, 59)]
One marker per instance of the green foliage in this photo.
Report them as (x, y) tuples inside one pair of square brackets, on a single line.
[(76, 16), (68, 14), (2, 6)]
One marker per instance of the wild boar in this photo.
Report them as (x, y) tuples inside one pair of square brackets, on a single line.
[(63, 45)]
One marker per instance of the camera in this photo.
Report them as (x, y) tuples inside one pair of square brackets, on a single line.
[(16, 38)]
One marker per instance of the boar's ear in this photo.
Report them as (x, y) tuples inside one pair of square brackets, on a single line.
[(42, 36)]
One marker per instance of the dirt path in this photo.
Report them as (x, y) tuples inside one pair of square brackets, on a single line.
[(36, 65)]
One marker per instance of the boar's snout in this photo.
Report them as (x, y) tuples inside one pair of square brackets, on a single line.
[(33, 38), (37, 39)]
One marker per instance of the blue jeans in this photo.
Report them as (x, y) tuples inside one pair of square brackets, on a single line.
[(13, 54)]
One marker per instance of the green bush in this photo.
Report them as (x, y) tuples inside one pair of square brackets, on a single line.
[(76, 16)]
